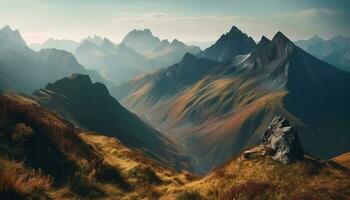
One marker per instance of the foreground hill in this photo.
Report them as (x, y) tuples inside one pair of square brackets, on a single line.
[(25, 70), (88, 105), (225, 109), (43, 156)]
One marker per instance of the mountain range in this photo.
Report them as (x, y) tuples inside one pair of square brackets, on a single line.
[(25, 70), (221, 108), (238, 120), (335, 51), (61, 44), (138, 53)]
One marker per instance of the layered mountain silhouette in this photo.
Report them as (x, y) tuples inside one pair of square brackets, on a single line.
[(226, 108), (229, 45), (61, 44), (89, 106), (139, 52), (144, 42), (335, 51), (25, 70), (117, 63)]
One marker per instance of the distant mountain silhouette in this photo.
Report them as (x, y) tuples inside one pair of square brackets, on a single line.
[(63, 44), (225, 108), (335, 51), (117, 63), (139, 52), (142, 40), (229, 45), (26, 70)]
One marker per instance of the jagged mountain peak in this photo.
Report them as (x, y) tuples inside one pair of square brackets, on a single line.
[(80, 77), (264, 41), (229, 45), (77, 85), (280, 38), (6, 28), (11, 36), (235, 29), (188, 58)]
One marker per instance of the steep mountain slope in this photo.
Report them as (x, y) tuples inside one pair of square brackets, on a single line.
[(43, 156), (25, 70), (63, 44), (229, 45), (334, 51), (89, 105), (225, 110)]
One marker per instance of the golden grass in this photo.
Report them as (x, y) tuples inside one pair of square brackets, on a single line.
[(15, 179), (343, 159), (295, 181)]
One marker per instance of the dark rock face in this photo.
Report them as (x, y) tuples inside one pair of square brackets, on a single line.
[(280, 141), (283, 141), (229, 45)]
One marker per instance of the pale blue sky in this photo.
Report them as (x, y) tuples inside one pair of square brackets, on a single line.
[(187, 20)]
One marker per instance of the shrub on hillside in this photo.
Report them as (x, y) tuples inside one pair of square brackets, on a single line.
[(189, 195), (111, 174), (145, 175), (249, 190), (21, 133), (18, 184)]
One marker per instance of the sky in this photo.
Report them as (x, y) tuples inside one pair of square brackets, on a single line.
[(186, 20)]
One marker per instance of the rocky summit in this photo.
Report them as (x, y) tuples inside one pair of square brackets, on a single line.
[(280, 141)]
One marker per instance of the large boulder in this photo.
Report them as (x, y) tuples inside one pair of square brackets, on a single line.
[(280, 141)]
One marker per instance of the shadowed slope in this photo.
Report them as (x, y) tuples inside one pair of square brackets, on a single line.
[(89, 106)]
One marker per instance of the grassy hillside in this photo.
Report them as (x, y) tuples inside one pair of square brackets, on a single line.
[(265, 178), (44, 156)]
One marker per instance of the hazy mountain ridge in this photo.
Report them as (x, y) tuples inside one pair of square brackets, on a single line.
[(61, 44), (334, 51), (28, 70)]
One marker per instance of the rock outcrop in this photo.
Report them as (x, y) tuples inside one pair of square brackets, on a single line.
[(280, 141)]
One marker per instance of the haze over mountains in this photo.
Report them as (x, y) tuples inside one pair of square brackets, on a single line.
[(25, 70), (226, 107), (335, 51), (138, 53)]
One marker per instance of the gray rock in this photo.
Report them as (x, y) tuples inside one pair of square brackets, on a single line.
[(283, 141)]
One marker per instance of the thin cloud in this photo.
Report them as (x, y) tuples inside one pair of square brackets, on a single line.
[(314, 12)]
